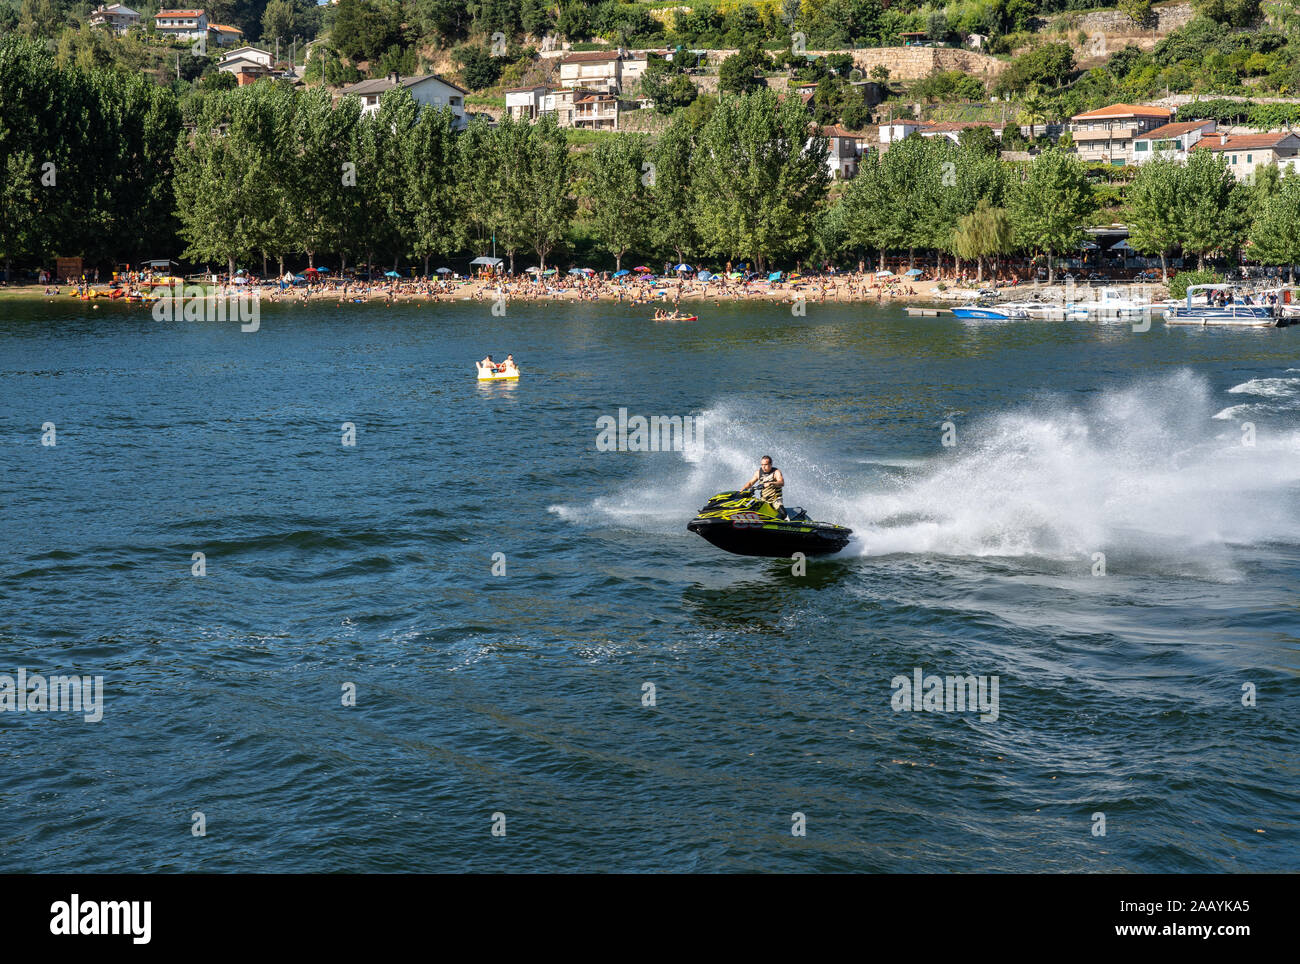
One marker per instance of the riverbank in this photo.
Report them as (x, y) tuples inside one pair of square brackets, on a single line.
[(846, 288)]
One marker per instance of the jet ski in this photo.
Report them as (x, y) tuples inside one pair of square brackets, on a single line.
[(740, 523)]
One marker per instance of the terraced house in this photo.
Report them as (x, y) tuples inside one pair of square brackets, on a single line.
[(1247, 153), (1172, 141), (181, 24), (1108, 135)]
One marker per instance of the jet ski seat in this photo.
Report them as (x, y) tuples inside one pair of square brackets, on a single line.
[(795, 515)]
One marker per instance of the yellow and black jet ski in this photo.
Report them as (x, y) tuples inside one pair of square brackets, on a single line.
[(740, 523)]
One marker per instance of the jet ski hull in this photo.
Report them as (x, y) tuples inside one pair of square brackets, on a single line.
[(771, 539), (739, 524)]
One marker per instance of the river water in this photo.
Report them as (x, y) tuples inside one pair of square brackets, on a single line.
[(538, 646)]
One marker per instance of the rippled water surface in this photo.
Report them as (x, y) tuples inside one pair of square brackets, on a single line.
[(1101, 538)]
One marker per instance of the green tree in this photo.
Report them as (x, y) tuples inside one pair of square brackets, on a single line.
[(672, 190), (739, 73), (1236, 13), (1275, 235), (1212, 208), (1052, 205), (619, 195), (429, 161), (1153, 209), (279, 20), (759, 178), (545, 183), (1139, 11), (323, 177), (214, 194), (984, 232)]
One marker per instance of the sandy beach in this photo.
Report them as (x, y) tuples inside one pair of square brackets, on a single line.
[(820, 289)]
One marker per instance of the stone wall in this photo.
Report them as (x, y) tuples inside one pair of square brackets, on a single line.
[(917, 63), (904, 63), (1114, 23)]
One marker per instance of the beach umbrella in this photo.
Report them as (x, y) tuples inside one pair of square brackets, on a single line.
[(883, 274), (300, 277), (912, 272), (1123, 246), (774, 276), (705, 276), (548, 272), (486, 260), (620, 272), (683, 267), (391, 274), (642, 269), (735, 274), (442, 271)]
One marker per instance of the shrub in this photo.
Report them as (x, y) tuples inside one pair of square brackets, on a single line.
[(1180, 282)]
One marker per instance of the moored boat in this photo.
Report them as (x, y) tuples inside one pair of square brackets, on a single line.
[(1232, 314), (989, 312)]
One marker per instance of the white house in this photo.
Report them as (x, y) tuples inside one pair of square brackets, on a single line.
[(596, 69), (898, 130), (252, 54), (1171, 140), (181, 24), (223, 35), (633, 65), (1247, 153), (952, 129), (246, 63), (597, 112), (116, 17), (526, 103), (1106, 135), (428, 90), (844, 151)]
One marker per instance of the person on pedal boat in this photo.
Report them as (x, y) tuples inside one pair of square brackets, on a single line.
[(770, 482)]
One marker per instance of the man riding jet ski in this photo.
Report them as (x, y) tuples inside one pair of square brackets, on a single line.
[(770, 482), (747, 525)]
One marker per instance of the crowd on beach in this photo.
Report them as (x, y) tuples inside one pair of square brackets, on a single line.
[(817, 284)]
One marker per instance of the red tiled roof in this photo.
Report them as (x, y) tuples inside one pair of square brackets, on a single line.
[(834, 130), (178, 13), (1243, 142), (1124, 110), (943, 127), (589, 57), (1173, 130), (223, 27)]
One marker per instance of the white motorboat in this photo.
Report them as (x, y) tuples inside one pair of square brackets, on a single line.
[(1233, 313)]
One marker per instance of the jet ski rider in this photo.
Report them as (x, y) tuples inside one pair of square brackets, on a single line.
[(770, 482)]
